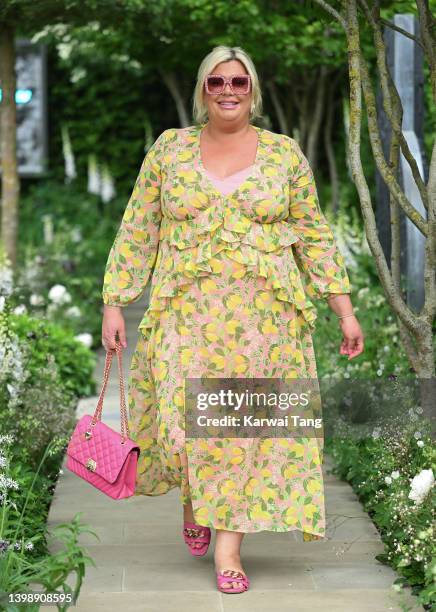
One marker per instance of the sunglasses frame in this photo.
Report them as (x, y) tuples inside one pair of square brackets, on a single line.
[(229, 81)]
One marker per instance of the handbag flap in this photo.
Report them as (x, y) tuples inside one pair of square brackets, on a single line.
[(103, 453)]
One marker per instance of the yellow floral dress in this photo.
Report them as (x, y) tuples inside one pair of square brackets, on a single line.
[(232, 282)]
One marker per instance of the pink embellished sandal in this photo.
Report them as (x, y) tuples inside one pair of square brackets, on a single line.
[(193, 533), (233, 576)]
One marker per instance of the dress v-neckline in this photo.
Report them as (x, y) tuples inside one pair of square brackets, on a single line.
[(222, 180), (203, 171)]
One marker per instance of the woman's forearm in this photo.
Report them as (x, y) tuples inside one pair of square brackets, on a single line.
[(340, 303)]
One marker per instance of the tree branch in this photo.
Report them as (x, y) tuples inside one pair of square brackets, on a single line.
[(405, 33), (427, 23), (354, 58), (377, 149), (389, 89), (327, 7)]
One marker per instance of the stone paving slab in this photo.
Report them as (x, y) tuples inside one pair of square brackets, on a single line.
[(151, 601), (144, 565)]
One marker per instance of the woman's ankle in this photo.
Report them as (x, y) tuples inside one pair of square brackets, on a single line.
[(188, 514), (227, 557)]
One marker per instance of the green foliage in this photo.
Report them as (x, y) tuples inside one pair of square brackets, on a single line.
[(383, 353), (83, 231), (106, 93), (74, 362), (44, 370), (25, 562), (380, 469)]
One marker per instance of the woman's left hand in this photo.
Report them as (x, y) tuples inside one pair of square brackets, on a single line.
[(352, 344)]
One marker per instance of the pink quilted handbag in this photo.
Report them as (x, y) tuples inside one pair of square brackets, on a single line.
[(99, 454)]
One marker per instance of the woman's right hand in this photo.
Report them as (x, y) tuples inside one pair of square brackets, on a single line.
[(113, 322)]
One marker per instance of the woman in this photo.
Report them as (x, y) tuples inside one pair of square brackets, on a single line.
[(227, 213)]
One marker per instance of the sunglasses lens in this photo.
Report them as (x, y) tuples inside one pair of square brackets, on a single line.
[(215, 84), (240, 84)]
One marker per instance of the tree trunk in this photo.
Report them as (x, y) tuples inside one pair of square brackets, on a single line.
[(281, 116), (328, 143), (416, 330), (303, 104), (315, 124), (8, 136), (171, 82)]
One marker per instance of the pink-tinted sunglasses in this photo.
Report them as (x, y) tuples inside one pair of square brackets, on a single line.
[(239, 84)]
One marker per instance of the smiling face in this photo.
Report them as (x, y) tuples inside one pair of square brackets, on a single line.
[(219, 112)]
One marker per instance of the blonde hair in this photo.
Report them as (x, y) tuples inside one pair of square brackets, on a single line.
[(219, 54)]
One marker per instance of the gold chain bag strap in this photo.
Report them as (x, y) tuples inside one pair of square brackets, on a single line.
[(99, 454), (123, 411)]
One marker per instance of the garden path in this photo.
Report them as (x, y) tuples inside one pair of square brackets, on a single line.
[(143, 564)]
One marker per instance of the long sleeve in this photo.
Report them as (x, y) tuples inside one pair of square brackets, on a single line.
[(134, 250), (316, 253)]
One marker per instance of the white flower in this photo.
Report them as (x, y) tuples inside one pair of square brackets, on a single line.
[(76, 234), (94, 178), (51, 309), (85, 339), (56, 292), (376, 434), (13, 391), (6, 278), (36, 299), (421, 485), (59, 295), (417, 435), (77, 73), (69, 162), (29, 546), (48, 230), (7, 483), (420, 443), (388, 480), (395, 474), (107, 189), (2, 302), (21, 309), (73, 311), (64, 50)]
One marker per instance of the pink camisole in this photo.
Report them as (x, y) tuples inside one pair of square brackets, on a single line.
[(230, 183)]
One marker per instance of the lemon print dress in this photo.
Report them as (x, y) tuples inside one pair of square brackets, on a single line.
[(233, 280)]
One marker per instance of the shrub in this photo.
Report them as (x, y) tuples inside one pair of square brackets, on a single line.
[(24, 560), (42, 371), (392, 473), (48, 343)]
